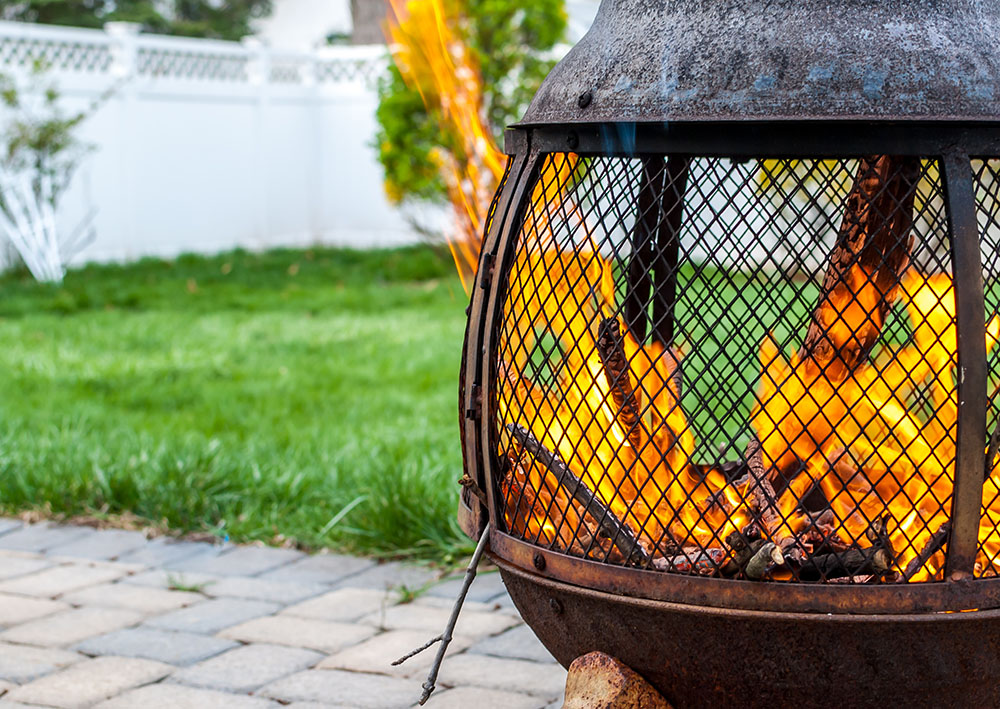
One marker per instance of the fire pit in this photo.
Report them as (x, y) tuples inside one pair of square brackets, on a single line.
[(727, 396)]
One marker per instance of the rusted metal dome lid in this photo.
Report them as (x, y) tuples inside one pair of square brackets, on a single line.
[(700, 60)]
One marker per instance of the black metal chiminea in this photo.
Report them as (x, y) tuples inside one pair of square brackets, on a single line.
[(729, 399)]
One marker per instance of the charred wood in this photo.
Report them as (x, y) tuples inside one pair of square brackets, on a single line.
[(640, 265), (618, 532), (935, 544), (760, 491), (865, 578), (873, 245), (703, 562), (853, 562), (612, 352)]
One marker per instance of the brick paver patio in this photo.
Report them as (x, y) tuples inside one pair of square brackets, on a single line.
[(110, 619)]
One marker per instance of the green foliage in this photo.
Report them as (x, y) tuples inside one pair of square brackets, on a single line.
[(36, 135), (193, 18), (306, 395), (508, 40)]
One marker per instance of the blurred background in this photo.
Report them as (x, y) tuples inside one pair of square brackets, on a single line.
[(228, 306)]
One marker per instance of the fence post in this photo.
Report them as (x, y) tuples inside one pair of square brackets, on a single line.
[(311, 84), (124, 67), (259, 77)]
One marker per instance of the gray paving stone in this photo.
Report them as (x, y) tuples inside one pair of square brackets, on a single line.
[(87, 682), (176, 696), (300, 632), (212, 616), (69, 627), (13, 564), (21, 609), (173, 648), (206, 552), (42, 536), (246, 668), (485, 587), (417, 616), (472, 606), (23, 663), (144, 599), (57, 580), (344, 604), (238, 561), (376, 654), (466, 697), (505, 602), (171, 580), (9, 525), (163, 550), (517, 643), (102, 544), (320, 568), (258, 589), (390, 575), (351, 689), (544, 680)]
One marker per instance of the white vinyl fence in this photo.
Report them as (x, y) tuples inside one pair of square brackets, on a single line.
[(207, 145)]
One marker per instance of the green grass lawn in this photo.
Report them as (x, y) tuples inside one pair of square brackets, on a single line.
[(308, 395)]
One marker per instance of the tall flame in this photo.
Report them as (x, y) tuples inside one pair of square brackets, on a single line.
[(433, 59)]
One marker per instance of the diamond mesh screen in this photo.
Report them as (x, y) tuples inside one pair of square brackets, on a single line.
[(986, 174), (738, 369)]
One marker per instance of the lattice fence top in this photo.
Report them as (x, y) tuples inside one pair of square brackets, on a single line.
[(23, 46), (61, 54), (159, 62)]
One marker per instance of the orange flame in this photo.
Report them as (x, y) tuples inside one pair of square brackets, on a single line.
[(433, 60)]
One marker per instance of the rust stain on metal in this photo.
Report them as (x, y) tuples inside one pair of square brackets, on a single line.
[(699, 657)]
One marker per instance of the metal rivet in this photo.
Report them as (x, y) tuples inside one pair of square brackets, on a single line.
[(584, 99), (539, 562), (555, 606), (573, 140)]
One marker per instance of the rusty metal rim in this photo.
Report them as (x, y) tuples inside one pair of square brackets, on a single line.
[(786, 597), (761, 139), (971, 616)]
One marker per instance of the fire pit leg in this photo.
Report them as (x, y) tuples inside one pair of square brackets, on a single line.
[(599, 681)]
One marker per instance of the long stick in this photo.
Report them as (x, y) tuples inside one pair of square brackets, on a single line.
[(873, 247), (446, 637), (621, 535), (933, 546), (612, 352)]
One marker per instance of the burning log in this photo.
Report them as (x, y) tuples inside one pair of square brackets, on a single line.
[(619, 533), (864, 578), (878, 534), (935, 544), (872, 250), (764, 559), (612, 352), (760, 491), (752, 557), (853, 562), (704, 562)]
